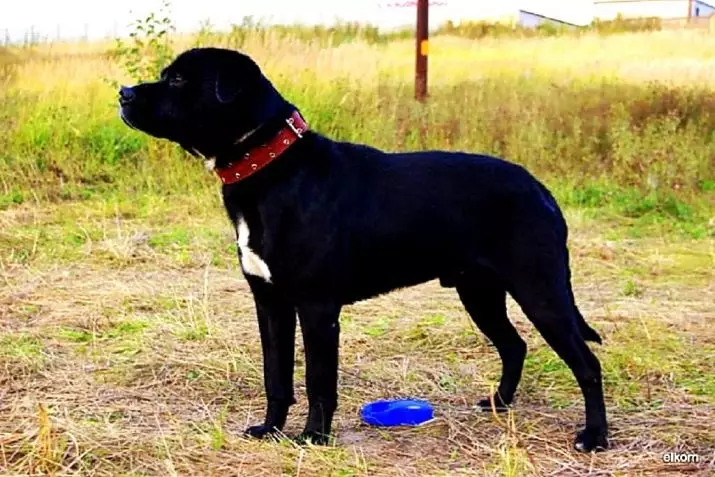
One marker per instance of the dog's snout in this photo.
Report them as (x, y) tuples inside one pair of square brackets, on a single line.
[(126, 95)]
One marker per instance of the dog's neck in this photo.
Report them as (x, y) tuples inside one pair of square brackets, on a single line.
[(255, 137), (283, 146), (247, 135)]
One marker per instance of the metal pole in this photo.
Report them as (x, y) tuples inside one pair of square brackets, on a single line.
[(422, 47)]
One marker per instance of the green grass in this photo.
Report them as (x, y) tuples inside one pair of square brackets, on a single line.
[(640, 150), (21, 351), (627, 138)]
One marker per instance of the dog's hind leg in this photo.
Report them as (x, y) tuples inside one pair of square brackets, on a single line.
[(485, 300), (542, 289)]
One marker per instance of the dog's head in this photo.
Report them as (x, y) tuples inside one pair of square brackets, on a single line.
[(206, 100)]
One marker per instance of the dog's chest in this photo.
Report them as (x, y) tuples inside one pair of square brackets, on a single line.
[(251, 262)]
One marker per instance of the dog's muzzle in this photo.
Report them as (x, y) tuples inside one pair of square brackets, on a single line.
[(126, 95)]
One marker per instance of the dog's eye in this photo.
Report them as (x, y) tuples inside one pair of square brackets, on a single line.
[(176, 81)]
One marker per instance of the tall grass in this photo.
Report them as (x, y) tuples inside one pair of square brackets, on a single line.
[(592, 114)]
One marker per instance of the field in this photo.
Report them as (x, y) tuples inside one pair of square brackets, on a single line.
[(128, 343)]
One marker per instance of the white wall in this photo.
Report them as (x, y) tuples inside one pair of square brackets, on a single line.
[(702, 9)]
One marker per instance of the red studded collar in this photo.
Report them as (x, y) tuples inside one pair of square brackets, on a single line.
[(260, 156)]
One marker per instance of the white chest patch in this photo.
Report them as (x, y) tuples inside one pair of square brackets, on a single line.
[(210, 164), (250, 261)]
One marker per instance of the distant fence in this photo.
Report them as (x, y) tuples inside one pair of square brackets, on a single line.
[(33, 36), (696, 23)]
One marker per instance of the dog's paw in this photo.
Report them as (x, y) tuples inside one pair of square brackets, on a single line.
[(486, 405), (591, 440), (312, 437), (261, 432)]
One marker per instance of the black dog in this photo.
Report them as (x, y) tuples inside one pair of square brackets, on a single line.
[(321, 224)]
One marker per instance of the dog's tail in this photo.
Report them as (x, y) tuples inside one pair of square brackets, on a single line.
[(588, 333)]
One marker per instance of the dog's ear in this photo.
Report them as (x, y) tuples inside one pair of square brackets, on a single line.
[(235, 76), (228, 86)]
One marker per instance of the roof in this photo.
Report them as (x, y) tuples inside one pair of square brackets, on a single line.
[(521, 10), (572, 12)]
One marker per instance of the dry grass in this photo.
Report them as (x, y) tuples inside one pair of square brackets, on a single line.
[(682, 57), (141, 361)]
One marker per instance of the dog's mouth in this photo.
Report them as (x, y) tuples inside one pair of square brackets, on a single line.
[(208, 162), (132, 123), (126, 119)]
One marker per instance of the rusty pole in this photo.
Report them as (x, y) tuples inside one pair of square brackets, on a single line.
[(422, 47)]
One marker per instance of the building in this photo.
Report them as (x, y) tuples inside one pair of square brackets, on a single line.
[(610, 9), (571, 14), (702, 9)]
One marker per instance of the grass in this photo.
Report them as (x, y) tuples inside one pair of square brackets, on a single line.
[(565, 107), (128, 342), (146, 390)]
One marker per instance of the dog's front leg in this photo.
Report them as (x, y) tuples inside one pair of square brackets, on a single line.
[(321, 333), (276, 322)]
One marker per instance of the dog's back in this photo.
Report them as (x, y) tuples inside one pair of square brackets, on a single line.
[(377, 221)]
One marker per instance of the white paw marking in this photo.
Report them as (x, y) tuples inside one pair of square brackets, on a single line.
[(210, 164), (250, 261)]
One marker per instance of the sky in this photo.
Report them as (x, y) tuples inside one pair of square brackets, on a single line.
[(99, 18)]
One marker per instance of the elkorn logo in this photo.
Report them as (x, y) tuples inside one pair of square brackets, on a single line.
[(680, 458)]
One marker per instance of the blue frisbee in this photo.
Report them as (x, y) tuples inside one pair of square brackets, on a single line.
[(397, 412)]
